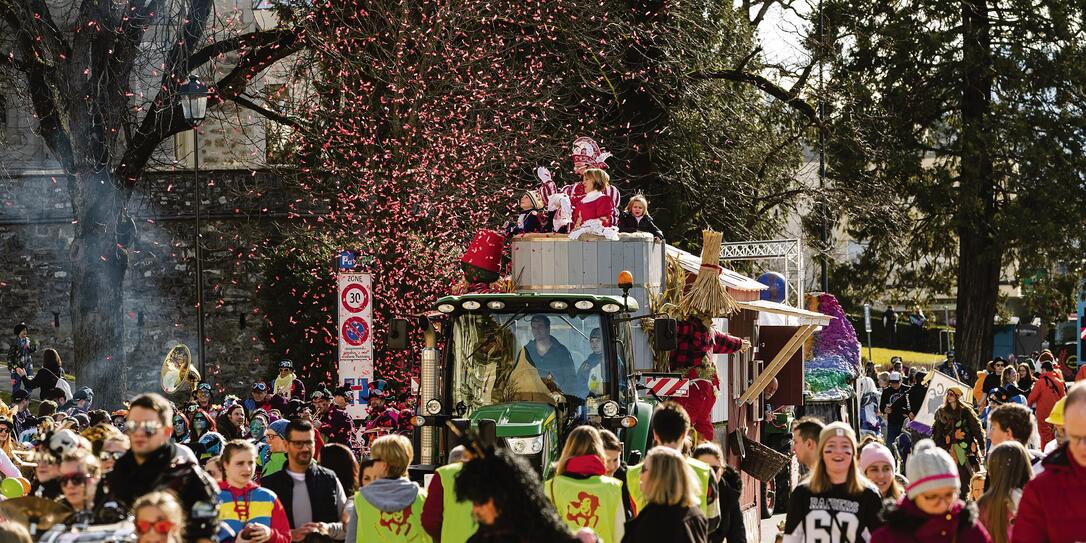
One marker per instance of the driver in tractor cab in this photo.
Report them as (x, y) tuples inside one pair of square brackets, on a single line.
[(550, 357), (588, 378)]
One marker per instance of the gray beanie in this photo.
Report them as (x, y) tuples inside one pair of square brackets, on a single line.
[(929, 468)]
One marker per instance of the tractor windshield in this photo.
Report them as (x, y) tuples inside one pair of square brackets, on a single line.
[(506, 357)]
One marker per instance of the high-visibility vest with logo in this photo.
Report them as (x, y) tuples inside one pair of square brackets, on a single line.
[(457, 523), (404, 526), (701, 470), (594, 503)]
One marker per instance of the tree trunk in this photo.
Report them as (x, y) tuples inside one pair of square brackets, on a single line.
[(99, 256), (980, 248)]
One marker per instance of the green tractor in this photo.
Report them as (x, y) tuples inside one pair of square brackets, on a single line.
[(537, 365)]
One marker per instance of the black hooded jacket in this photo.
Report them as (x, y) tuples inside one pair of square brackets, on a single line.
[(164, 469)]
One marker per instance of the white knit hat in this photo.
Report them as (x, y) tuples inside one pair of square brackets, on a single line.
[(930, 468)]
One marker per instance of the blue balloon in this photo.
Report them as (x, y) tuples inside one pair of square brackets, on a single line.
[(778, 287)]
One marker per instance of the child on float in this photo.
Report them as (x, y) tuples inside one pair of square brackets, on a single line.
[(636, 218), (532, 217)]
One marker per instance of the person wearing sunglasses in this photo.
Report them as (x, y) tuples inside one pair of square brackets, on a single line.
[(154, 463), (729, 486), (80, 472), (10, 445), (158, 518), (201, 422), (114, 446), (202, 396), (287, 384), (261, 399), (932, 509)]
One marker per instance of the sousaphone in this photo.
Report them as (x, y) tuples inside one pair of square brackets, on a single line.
[(177, 370)]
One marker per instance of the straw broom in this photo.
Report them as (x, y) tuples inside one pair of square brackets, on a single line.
[(708, 298)]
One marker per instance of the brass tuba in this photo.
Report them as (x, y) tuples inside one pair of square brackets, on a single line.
[(177, 370)]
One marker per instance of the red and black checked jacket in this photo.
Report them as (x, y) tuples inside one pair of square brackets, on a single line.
[(695, 341)]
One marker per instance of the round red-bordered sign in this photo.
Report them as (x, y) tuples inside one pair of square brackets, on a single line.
[(355, 298), (355, 331)]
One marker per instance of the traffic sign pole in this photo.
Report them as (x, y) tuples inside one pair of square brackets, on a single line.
[(867, 326)]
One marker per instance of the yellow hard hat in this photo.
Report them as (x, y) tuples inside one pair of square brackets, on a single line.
[(1056, 417)]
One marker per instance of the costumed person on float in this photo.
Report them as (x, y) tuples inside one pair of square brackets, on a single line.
[(594, 213), (532, 217), (587, 154), (559, 208), (481, 263), (703, 301)]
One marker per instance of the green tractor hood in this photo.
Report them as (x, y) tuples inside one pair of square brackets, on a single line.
[(517, 419)]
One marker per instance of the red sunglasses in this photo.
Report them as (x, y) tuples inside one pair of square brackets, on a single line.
[(163, 526)]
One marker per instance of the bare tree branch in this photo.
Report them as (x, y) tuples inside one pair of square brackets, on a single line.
[(767, 86), (267, 113), (244, 41)]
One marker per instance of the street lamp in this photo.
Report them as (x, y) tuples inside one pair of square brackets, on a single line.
[(194, 107)]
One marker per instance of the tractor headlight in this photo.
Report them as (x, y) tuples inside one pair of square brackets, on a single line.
[(446, 308), (526, 445), (609, 409), (583, 305), (433, 406), (611, 308), (471, 305)]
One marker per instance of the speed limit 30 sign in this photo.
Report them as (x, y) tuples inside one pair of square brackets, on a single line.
[(355, 298)]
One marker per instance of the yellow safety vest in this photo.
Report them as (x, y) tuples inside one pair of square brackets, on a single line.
[(457, 523), (594, 503), (403, 526), (701, 470)]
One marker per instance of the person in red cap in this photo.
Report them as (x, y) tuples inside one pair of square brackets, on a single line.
[(482, 261)]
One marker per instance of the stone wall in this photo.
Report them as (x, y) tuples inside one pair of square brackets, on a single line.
[(240, 210)]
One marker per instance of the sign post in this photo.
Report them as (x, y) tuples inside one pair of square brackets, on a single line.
[(867, 327), (1081, 331), (355, 289)]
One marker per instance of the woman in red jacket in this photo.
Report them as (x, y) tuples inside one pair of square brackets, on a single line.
[(932, 509), (1048, 390), (593, 213)]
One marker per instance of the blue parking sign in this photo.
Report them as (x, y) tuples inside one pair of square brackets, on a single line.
[(348, 260)]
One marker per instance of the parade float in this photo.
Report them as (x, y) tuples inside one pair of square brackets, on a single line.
[(640, 298)]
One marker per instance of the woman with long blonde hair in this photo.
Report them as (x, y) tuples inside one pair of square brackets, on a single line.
[(672, 510), (580, 490), (1009, 470), (837, 503)]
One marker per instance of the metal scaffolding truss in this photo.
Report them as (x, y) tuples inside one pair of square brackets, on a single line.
[(790, 251)]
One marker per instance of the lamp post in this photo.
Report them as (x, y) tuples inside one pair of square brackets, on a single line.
[(194, 106)]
